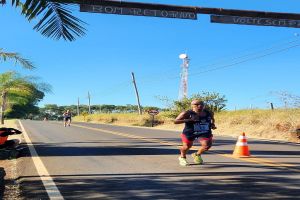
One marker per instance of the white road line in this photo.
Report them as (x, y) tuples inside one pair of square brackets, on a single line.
[(48, 182)]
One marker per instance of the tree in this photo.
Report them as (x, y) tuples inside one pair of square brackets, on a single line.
[(108, 108), (214, 102), (15, 89), (57, 20), (17, 58), (51, 111), (22, 111), (26, 108), (288, 99)]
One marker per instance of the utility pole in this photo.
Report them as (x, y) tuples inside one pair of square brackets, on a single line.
[(78, 107), (272, 106), (89, 98), (137, 94), (285, 104)]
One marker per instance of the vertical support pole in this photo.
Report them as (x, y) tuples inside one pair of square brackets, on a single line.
[(183, 77), (152, 121), (272, 107), (137, 94), (78, 113), (89, 97)]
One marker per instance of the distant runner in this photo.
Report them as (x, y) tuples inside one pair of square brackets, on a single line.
[(198, 124), (67, 118)]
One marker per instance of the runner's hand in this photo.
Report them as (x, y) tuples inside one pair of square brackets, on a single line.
[(213, 126)]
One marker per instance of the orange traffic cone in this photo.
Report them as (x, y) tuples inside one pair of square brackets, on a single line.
[(241, 147)]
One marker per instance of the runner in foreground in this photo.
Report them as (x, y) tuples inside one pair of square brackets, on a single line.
[(198, 124)]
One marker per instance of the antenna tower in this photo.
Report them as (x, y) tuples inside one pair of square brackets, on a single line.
[(183, 76)]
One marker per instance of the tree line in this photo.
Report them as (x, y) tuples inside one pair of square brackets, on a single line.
[(54, 112), (214, 102)]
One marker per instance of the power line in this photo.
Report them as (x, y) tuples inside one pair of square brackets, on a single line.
[(167, 74), (248, 57), (246, 60), (253, 53), (191, 73)]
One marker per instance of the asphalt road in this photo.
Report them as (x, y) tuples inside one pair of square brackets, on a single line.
[(92, 161)]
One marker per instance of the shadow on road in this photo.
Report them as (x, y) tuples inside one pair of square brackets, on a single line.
[(53, 150), (222, 185)]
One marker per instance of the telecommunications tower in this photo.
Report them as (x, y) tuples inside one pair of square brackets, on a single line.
[(183, 76)]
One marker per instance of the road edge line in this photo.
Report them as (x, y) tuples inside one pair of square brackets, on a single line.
[(51, 188)]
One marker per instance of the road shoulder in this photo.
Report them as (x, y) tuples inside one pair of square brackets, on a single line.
[(9, 185)]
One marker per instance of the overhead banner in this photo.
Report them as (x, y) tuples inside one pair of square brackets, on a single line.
[(257, 21), (137, 11)]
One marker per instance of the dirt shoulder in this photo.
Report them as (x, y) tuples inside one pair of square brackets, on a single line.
[(9, 186)]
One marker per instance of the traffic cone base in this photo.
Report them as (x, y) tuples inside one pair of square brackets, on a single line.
[(241, 148)]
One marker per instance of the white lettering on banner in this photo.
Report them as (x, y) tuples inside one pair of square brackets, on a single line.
[(137, 11), (147, 12), (255, 21), (109, 10)]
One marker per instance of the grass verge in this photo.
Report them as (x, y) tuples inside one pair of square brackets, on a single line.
[(277, 124)]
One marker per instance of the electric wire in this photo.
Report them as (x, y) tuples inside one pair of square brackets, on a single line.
[(168, 76)]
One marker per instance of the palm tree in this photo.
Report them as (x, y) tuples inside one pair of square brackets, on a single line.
[(17, 58), (57, 20), (16, 89)]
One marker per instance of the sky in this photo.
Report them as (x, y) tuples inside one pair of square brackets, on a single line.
[(249, 65)]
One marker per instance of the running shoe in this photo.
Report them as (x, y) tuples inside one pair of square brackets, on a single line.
[(197, 159), (182, 161)]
